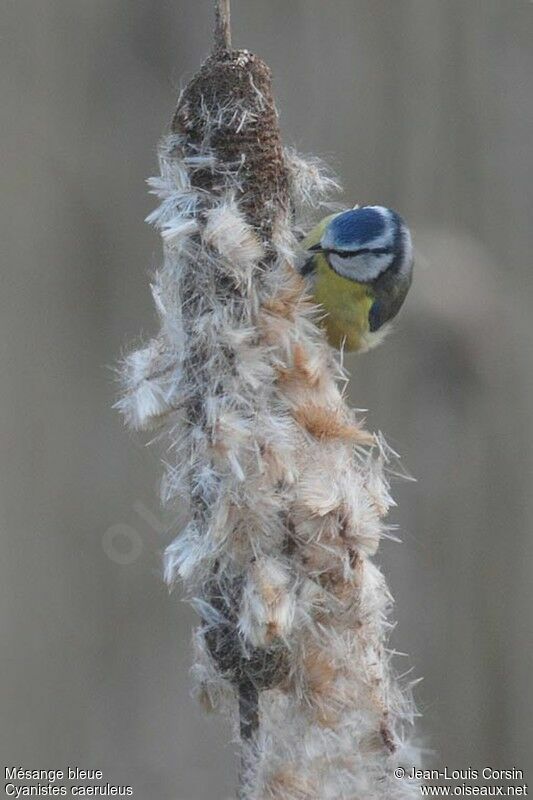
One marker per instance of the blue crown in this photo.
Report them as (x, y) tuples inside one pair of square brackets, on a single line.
[(355, 228)]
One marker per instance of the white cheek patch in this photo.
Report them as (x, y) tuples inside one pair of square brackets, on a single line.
[(363, 267)]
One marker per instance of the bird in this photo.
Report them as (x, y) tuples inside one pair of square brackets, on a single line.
[(360, 264)]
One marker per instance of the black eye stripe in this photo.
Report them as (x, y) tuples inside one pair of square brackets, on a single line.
[(377, 251)]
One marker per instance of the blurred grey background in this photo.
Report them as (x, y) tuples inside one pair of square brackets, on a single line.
[(425, 105)]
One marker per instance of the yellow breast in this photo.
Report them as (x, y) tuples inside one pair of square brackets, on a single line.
[(346, 305)]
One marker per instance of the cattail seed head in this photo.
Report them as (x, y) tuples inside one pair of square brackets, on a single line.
[(284, 489)]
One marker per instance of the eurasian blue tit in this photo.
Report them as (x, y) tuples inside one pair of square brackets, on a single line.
[(360, 263)]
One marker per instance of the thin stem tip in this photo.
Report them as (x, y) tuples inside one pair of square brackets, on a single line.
[(222, 25)]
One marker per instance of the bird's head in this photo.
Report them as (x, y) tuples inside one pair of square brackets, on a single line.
[(364, 243), (370, 246)]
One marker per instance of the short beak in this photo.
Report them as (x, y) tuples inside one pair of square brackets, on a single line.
[(316, 248)]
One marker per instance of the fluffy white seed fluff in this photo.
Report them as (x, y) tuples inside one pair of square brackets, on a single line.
[(286, 491), (268, 604)]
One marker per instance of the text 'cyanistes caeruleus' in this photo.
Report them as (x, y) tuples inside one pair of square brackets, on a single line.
[(360, 263)]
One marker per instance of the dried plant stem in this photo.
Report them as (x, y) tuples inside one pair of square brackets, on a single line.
[(247, 692), (248, 728), (248, 710), (222, 38)]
